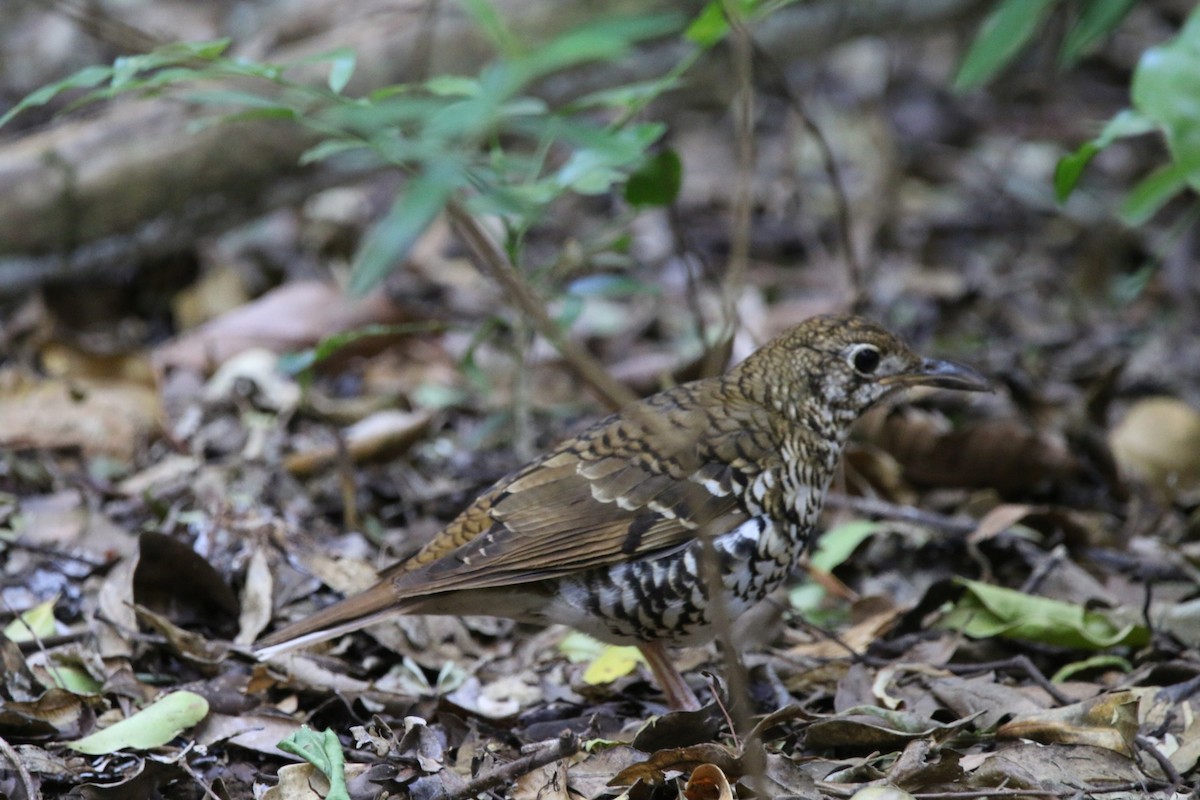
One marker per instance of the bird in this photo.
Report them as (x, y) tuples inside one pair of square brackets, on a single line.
[(632, 530)]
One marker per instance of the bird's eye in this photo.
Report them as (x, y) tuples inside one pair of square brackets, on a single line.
[(865, 359)]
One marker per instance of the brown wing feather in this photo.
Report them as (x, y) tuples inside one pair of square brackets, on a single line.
[(602, 499)]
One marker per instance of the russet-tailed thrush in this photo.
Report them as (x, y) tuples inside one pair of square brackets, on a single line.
[(608, 532)]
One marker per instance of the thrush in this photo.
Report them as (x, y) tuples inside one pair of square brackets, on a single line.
[(609, 532)]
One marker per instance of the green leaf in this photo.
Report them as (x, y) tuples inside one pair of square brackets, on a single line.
[(490, 21), (86, 78), (297, 362), (36, 623), (453, 86), (1153, 192), (203, 50), (126, 68), (1095, 662), (235, 97), (341, 60), (1167, 90), (610, 286), (615, 662), (986, 611), (1097, 20), (1070, 167), (1002, 35), (709, 26), (341, 68), (330, 148), (392, 237), (606, 662), (626, 96), (657, 182), (323, 751), (833, 548), (153, 726), (598, 40), (75, 680), (837, 544), (593, 169), (1124, 124)]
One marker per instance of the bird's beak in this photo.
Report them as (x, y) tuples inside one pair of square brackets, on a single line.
[(943, 374)]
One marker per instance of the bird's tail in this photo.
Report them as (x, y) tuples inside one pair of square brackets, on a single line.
[(349, 615)]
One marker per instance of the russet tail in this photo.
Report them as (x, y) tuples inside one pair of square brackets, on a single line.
[(354, 613)]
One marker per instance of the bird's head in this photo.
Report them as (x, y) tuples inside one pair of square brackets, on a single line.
[(836, 367)]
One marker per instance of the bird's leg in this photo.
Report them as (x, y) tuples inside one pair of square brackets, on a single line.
[(680, 696)]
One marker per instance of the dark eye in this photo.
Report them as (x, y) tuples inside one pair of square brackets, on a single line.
[(865, 359)]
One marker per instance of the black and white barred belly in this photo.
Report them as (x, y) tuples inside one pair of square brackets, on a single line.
[(666, 598)]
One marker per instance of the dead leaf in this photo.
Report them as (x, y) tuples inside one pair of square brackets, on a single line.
[(858, 637), (295, 315), (882, 793), (306, 782), (680, 759), (872, 728), (215, 292), (545, 783), (257, 732), (590, 776), (254, 373), (1003, 454), (1108, 721), (256, 597), (172, 469), (1158, 441), (100, 417), (708, 782), (204, 596), (1058, 768), (384, 434), (983, 698), (192, 647), (57, 712)]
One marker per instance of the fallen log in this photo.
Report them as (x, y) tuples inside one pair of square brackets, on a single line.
[(132, 183)]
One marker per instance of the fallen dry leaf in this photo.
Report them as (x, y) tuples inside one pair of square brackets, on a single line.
[(1004, 454), (384, 434), (1158, 441), (708, 782), (1108, 721), (295, 315), (100, 417)]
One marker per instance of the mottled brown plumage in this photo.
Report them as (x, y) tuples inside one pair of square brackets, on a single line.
[(607, 532)]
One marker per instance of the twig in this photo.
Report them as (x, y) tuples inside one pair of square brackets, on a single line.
[(107, 29), (1145, 744), (208, 790), (854, 268), (495, 263), (736, 678), (742, 55), (57, 552), (714, 686), (961, 525), (566, 745), (999, 791), (966, 794), (37, 639), (1019, 663), (1178, 692), (31, 792)]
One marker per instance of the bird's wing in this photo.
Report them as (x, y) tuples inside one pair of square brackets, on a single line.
[(647, 481)]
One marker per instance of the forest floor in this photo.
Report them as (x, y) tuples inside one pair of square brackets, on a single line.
[(1002, 604)]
